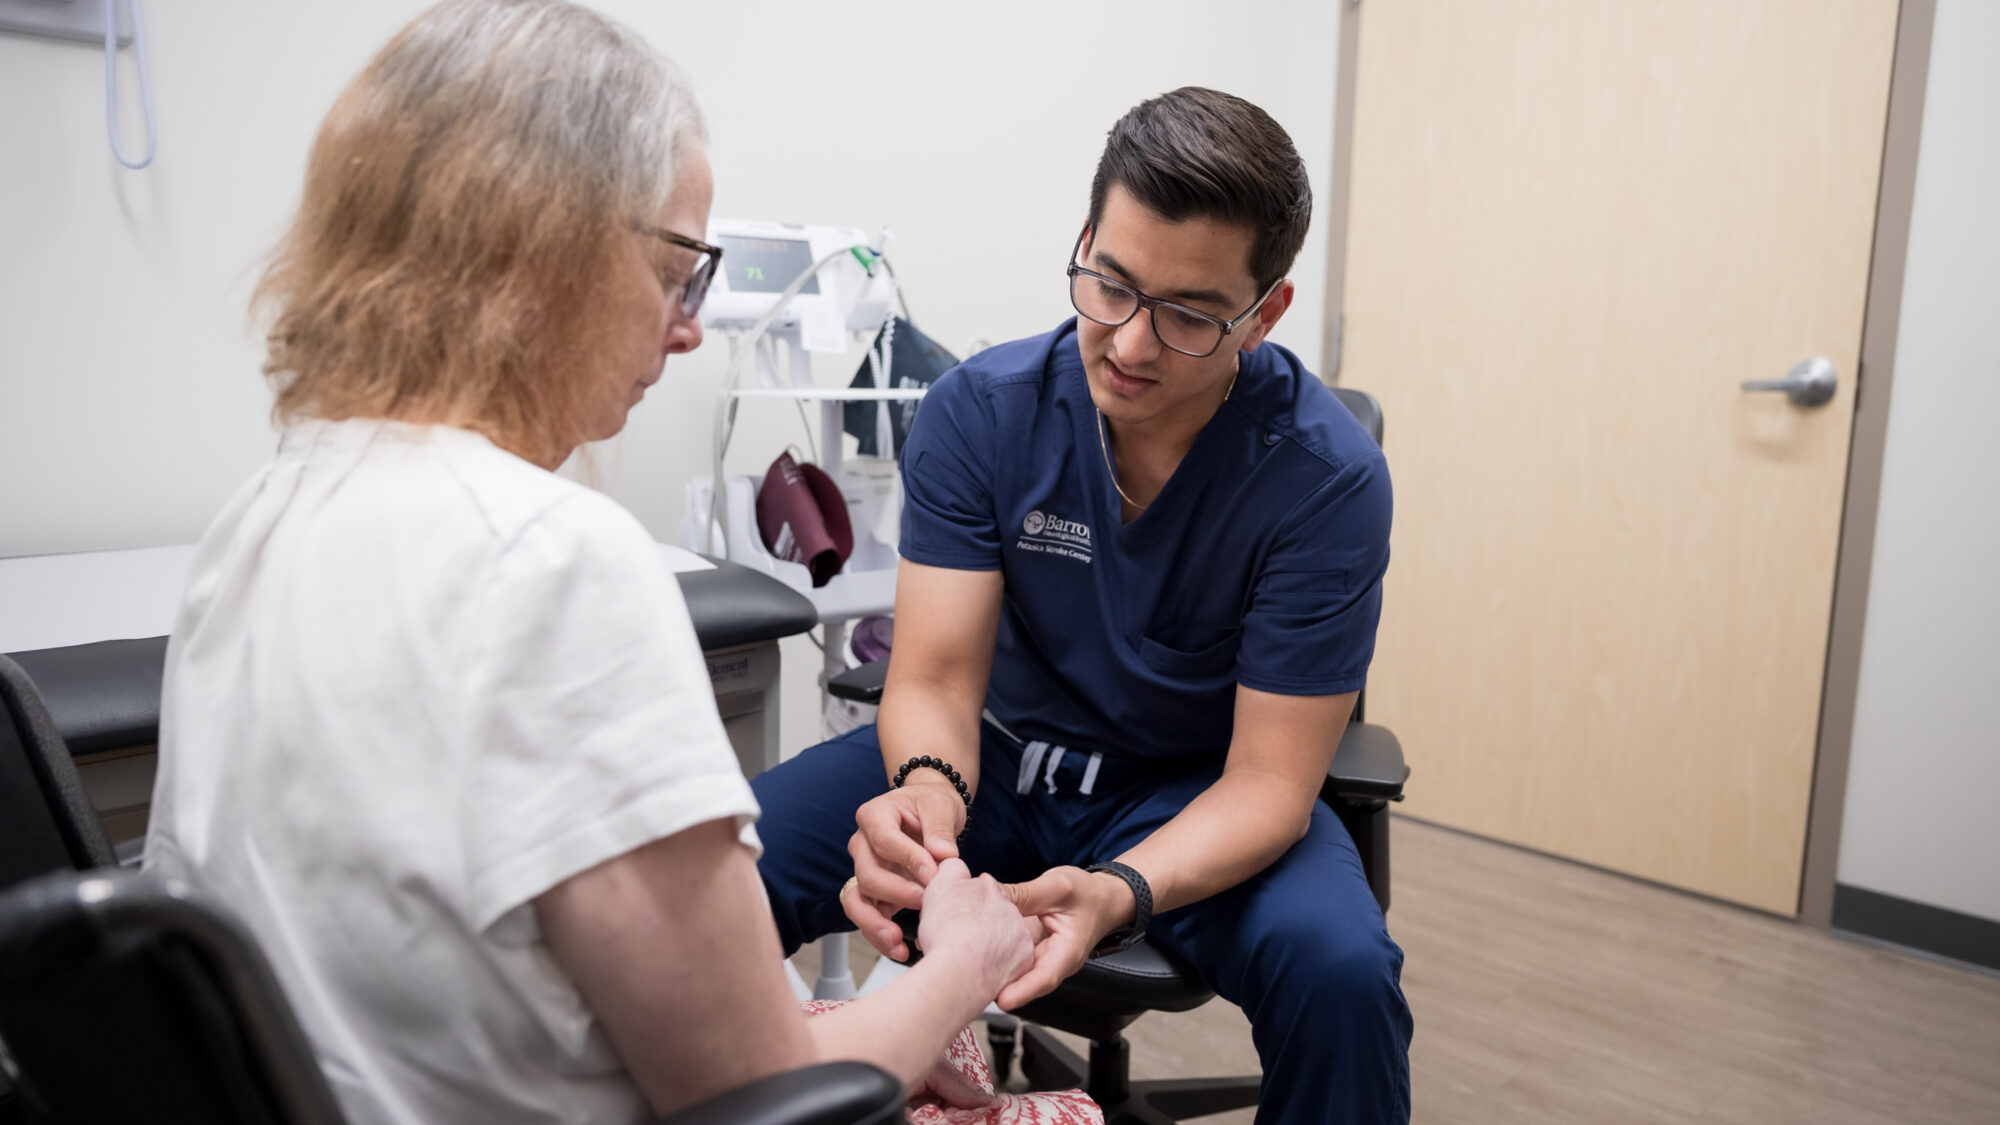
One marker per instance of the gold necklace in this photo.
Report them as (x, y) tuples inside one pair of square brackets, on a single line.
[(1104, 446)]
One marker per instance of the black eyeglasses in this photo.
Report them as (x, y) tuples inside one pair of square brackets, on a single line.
[(709, 258), (1111, 302)]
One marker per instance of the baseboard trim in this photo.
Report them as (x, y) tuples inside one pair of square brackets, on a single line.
[(1933, 929)]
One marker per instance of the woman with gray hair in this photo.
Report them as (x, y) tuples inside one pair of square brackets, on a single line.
[(435, 722)]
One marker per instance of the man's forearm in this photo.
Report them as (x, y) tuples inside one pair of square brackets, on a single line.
[(936, 688), (1259, 808), (920, 717), (1233, 830)]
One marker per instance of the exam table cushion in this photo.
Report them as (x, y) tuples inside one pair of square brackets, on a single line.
[(733, 605), (102, 696), (106, 695)]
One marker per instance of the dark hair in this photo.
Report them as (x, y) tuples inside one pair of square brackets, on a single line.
[(1198, 152)]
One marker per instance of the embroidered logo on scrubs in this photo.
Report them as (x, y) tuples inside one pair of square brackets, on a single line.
[(1046, 534)]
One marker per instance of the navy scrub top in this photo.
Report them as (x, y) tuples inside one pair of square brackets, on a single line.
[(1260, 563)]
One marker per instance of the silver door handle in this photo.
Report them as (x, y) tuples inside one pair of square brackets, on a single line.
[(1810, 382)]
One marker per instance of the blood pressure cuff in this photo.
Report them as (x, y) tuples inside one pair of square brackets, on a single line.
[(915, 360), (802, 517)]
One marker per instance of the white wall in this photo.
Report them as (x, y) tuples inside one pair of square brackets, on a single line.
[(1920, 821), (130, 403)]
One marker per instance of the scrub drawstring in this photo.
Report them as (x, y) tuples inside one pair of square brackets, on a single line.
[(1045, 759), (1031, 763)]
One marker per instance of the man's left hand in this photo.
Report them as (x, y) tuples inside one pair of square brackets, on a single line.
[(1077, 909)]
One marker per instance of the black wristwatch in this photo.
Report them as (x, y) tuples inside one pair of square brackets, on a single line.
[(1126, 936)]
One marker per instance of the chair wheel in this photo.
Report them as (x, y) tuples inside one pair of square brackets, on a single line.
[(1005, 1042)]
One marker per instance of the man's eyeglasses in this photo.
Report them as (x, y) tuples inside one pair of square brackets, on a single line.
[(1111, 303), (708, 259)]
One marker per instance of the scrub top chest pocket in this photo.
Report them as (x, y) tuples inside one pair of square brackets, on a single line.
[(1200, 652)]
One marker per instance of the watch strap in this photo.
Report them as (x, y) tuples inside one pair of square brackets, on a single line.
[(1131, 934)]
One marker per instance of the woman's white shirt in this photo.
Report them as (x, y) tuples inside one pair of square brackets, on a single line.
[(415, 683)]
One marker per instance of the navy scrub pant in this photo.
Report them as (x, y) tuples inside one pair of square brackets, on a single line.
[(1300, 947)]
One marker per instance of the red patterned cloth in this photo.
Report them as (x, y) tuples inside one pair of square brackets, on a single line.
[(1062, 1107)]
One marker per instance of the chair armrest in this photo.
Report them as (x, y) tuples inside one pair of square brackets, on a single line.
[(836, 1093), (1365, 409), (861, 685), (1367, 767)]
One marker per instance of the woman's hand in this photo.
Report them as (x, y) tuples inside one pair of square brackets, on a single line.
[(973, 924), (945, 1086)]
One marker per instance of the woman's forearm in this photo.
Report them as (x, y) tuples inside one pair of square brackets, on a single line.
[(904, 1027)]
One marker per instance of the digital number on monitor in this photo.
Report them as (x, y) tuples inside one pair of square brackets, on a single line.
[(765, 265)]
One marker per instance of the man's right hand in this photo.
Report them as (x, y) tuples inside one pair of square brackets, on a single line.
[(900, 839)]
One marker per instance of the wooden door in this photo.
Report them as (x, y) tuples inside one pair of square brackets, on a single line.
[(1576, 227)]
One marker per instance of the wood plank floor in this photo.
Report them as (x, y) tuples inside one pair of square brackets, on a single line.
[(1548, 992)]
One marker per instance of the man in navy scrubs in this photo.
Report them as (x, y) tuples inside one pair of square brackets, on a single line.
[(1142, 570)]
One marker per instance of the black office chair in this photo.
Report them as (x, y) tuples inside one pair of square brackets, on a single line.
[(114, 966), (1103, 998), (46, 820), (112, 971)]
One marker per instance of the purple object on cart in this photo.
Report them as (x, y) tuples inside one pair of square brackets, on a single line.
[(872, 637)]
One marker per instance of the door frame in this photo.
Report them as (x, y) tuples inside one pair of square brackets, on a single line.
[(1854, 562)]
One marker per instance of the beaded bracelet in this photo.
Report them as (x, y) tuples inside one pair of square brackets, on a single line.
[(939, 764)]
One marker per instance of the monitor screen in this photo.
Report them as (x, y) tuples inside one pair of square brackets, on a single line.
[(765, 265)]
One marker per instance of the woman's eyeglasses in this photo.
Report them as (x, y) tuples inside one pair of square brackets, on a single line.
[(708, 258)]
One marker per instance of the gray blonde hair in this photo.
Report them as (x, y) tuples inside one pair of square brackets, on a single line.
[(460, 207)]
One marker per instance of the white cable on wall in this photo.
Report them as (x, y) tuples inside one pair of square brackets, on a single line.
[(111, 83)]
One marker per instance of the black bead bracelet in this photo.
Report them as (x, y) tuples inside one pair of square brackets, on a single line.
[(926, 762)]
